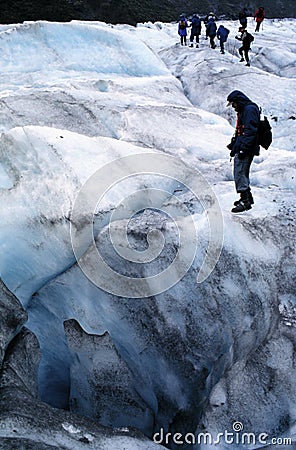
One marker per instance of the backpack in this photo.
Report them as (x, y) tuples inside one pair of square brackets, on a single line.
[(264, 132), (249, 38), (196, 23), (182, 25)]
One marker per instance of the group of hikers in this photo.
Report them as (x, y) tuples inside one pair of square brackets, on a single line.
[(220, 33), (245, 143)]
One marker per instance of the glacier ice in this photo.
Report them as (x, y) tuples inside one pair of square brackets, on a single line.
[(195, 357)]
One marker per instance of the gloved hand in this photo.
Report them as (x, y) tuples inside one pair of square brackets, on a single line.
[(231, 143), (241, 154), (232, 153)]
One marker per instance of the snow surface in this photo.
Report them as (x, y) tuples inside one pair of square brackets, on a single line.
[(75, 96)]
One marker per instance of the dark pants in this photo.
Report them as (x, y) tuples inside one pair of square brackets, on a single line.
[(241, 173), (196, 34), (258, 26), (212, 41), (183, 40), (244, 22), (222, 46), (244, 52)]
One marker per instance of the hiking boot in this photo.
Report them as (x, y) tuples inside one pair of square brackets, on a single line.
[(248, 64), (196, 46), (249, 198), (242, 206), (242, 60), (191, 45)]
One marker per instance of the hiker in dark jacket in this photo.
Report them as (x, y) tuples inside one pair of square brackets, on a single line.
[(244, 36), (242, 17), (259, 17), (211, 30), (222, 35), (195, 30), (243, 146)]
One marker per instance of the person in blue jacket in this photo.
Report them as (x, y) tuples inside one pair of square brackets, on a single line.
[(211, 30), (182, 29), (222, 35), (243, 146), (195, 30)]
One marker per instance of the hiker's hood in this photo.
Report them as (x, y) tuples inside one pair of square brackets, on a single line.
[(238, 97)]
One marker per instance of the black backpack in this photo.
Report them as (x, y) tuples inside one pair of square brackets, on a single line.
[(264, 132), (249, 38)]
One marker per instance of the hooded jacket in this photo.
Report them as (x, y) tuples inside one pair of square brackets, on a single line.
[(259, 15), (196, 24), (248, 117), (211, 27), (222, 33)]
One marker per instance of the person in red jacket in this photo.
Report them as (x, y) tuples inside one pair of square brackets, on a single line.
[(259, 17)]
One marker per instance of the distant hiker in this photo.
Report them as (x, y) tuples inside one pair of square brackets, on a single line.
[(259, 17), (242, 17), (211, 30), (182, 29), (246, 39), (195, 29), (243, 146), (209, 16), (222, 35)]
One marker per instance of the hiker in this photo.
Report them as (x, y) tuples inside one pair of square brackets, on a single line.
[(246, 39), (209, 16), (259, 17), (182, 30), (195, 30), (222, 35), (242, 17), (211, 29), (243, 146)]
